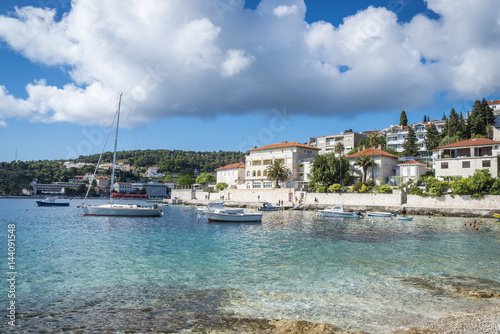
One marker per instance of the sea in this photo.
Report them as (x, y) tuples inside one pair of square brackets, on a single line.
[(64, 272)]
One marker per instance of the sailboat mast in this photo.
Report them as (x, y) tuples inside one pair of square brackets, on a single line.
[(114, 151)]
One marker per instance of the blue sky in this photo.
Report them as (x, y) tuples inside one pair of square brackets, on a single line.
[(231, 74)]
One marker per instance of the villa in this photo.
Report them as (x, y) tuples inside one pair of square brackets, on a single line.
[(461, 159), (233, 174), (385, 165), (295, 156)]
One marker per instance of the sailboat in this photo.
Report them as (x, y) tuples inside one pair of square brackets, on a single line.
[(113, 209)]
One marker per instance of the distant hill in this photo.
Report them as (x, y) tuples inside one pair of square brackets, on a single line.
[(14, 176)]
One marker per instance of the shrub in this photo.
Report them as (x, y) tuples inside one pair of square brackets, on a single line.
[(364, 189), (277, 186), (335, 187), (370, 183), (416, 191), (385, 189), (477, 195), (480, 181), (357, 186), (495, 187), (460, 187), (322, 189)]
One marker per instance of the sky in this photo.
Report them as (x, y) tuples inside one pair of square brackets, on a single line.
[(210, 75)]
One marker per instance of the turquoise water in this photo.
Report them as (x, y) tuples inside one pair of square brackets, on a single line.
[(175, 273)]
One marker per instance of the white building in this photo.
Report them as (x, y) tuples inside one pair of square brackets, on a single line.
[(153, 172), (233, 174), (293, 155), (397, 135), (327, 143), (495, 105), (461, 159), (411, 170), (384, 169)]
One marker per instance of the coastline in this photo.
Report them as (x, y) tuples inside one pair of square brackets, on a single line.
[(399, 209)]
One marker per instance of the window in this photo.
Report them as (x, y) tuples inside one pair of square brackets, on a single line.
[(256, 185), (253, 173), (465, 164), (248, 174), (258, 173), (268, 184), (444, 165), (486, 163)]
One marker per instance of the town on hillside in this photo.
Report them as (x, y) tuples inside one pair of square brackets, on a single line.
[(456, 147)]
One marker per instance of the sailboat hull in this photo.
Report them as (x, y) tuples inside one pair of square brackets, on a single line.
[(121, 210)]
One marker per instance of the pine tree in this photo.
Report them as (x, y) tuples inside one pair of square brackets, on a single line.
[(432, 138), (480, 118), (425, 118), (410, 146), (403, 120)]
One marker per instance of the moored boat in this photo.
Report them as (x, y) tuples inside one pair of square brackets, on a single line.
[(380, 214), (112, 209), (49, 201), (338, 211), (268, 207), (225, 216), (404, 218), (217, 206)]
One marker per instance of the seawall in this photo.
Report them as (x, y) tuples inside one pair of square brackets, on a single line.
[(398, 202)]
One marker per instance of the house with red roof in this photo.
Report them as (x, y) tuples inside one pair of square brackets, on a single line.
[(384, 169), (296, 156), (233, 174), (412, 170), (461, 159)]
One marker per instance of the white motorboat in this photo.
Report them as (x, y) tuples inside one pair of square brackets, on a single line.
[(217, 206), (122, 210), (404, 218), (118, 210), (338, 211), (380, 214), (225, 216)]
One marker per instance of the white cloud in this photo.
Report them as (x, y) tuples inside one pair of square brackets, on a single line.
[(284, 10), (236, 61), (175, 58)]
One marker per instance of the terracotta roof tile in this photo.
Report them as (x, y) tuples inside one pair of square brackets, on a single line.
[(376, 152), (231, 166), (412, 162), (283, 145), (471, 142)]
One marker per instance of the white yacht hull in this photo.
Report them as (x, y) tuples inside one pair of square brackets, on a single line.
[(233, 217), (121, 210)]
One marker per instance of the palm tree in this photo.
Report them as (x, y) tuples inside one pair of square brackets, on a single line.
[(364, 161), (278, 172), (373, 141), (339, 148)]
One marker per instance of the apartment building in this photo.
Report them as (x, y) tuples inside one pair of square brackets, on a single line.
[(327, 143), (295, 156), (396, 135), (461, 159)]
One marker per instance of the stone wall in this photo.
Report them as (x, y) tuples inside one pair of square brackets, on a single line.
[(454, 201)]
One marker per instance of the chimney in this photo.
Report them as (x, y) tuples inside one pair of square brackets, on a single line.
[(364, 147), (379, 146)]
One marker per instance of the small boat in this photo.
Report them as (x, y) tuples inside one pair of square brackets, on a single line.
[(268, 207), (225, 216), (50, 201), (217, 206), (404, 218), (338, 211), (380, 214)]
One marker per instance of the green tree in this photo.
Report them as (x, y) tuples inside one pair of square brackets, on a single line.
[(364, 161), (278, 172), (403, 120), (425, 118), (481, 181), (205, 178), (431, 138), (481, 118), (221, 185), (410, 146), (185, 180)]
